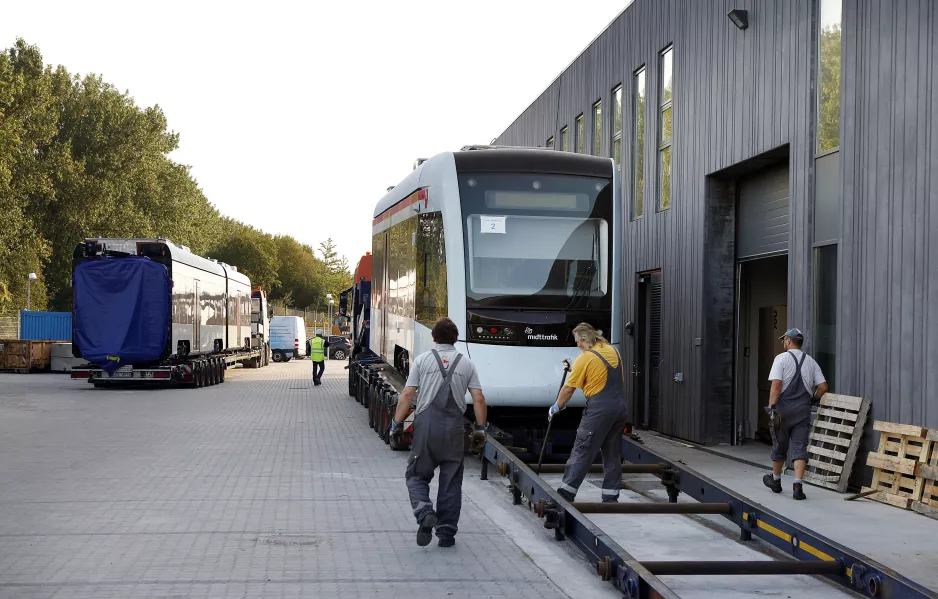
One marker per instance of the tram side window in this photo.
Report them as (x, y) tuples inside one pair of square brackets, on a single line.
[(431, 269), (377, 281)]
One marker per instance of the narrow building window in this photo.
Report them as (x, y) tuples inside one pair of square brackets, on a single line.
[(564, 140), (598, 128), (579, 135), (664, 138), (638, 145), (617, 126), (550, 142), (825, 311), (828, 87)]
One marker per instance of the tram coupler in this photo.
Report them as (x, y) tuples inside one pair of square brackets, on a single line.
[(669, 480)]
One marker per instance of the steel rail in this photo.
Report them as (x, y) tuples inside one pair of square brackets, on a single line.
[(860, 573), (613, 563)]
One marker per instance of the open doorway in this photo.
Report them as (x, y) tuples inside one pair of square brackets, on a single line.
[(763, 317)]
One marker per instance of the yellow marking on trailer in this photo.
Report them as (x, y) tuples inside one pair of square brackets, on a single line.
[(816, 552), (787, 537)]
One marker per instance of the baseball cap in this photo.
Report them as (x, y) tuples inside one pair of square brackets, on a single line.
[(792, 333)]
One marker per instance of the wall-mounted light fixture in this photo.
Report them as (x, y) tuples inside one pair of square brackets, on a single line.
[(739, 17)]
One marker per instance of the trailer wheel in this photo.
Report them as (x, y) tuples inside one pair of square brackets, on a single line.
[(221, 373), (213, 371), (386, 427)]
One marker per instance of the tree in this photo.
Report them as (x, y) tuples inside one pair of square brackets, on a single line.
[(79, 159), (336, 273)]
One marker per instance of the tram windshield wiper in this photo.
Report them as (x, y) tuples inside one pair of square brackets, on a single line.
[(587, 277)]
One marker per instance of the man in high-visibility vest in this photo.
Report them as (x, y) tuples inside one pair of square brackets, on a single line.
[(317, 353)]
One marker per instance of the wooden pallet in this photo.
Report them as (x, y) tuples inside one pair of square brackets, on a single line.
[(834, 440), (928, 477), (902, 448)]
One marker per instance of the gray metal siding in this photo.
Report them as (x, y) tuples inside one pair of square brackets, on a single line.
[(762, 226), (888, 333), (739, 94)]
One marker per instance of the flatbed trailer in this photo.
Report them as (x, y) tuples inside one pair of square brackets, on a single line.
[(376, 386), (199, 371)]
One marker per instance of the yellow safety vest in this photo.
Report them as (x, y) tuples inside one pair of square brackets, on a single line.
[(317, 349)]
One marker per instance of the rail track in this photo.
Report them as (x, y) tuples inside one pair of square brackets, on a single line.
[(810, 553)]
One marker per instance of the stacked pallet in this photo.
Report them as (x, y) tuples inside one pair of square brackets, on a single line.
[(904, 455), (928, 475), (834, 440)]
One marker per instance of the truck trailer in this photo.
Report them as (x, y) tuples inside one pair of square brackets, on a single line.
[(149, 310)]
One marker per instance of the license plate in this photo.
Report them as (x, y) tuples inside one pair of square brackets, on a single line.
[(124, 372)]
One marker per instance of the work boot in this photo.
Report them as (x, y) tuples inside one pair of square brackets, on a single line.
[(797, 492), (425, 530), (566, 495), (769, 481), (446, 542)]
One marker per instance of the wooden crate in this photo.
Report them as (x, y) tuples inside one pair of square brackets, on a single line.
[(25, 356), (928, 478), (834, 440), (895, 464)]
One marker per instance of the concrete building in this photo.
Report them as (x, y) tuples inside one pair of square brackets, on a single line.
[(779, 167)]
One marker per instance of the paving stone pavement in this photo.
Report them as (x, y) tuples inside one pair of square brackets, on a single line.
[(264, 486)]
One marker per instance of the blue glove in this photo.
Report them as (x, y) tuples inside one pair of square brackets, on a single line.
[(553, 410), (397, 430)]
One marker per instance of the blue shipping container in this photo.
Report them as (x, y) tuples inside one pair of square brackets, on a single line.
[(46, 326)]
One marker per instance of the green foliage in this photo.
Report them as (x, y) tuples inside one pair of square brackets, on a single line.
[(336, 274), (80, 159), (829, 89)]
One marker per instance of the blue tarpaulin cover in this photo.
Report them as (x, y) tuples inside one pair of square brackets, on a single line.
[(122, 310)]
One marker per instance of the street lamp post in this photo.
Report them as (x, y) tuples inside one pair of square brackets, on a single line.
[(32, 277), (329, 311)]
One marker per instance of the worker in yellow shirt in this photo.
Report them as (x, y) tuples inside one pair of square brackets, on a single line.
[(599, 372)]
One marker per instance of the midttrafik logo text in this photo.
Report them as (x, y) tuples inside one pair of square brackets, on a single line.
[(539, 336)]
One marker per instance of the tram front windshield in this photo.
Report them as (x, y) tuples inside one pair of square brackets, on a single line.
[(537, 240)]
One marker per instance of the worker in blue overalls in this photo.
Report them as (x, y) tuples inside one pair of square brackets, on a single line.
[(599, 372), (439, 378)]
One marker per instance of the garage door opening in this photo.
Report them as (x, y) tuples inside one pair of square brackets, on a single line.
[(763, 317)]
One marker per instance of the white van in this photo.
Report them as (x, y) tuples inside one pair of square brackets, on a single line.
[(287, 338)]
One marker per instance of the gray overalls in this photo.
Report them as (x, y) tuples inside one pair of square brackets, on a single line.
[(601, 425), (794, 406), (439, 441)]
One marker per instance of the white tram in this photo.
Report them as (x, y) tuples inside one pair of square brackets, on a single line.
[(516, 246)]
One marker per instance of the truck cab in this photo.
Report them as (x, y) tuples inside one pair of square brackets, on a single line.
[(260, 322)]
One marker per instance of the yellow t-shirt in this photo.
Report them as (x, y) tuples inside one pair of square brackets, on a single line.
[(589, 372)]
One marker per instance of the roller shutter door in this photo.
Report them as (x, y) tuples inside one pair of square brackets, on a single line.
[(763, 216)]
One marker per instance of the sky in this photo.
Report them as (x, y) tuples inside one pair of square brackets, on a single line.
[(295, 117)]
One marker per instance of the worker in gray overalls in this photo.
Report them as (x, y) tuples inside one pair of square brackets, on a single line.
[(796, 380), (442, 376), (599, 372)]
